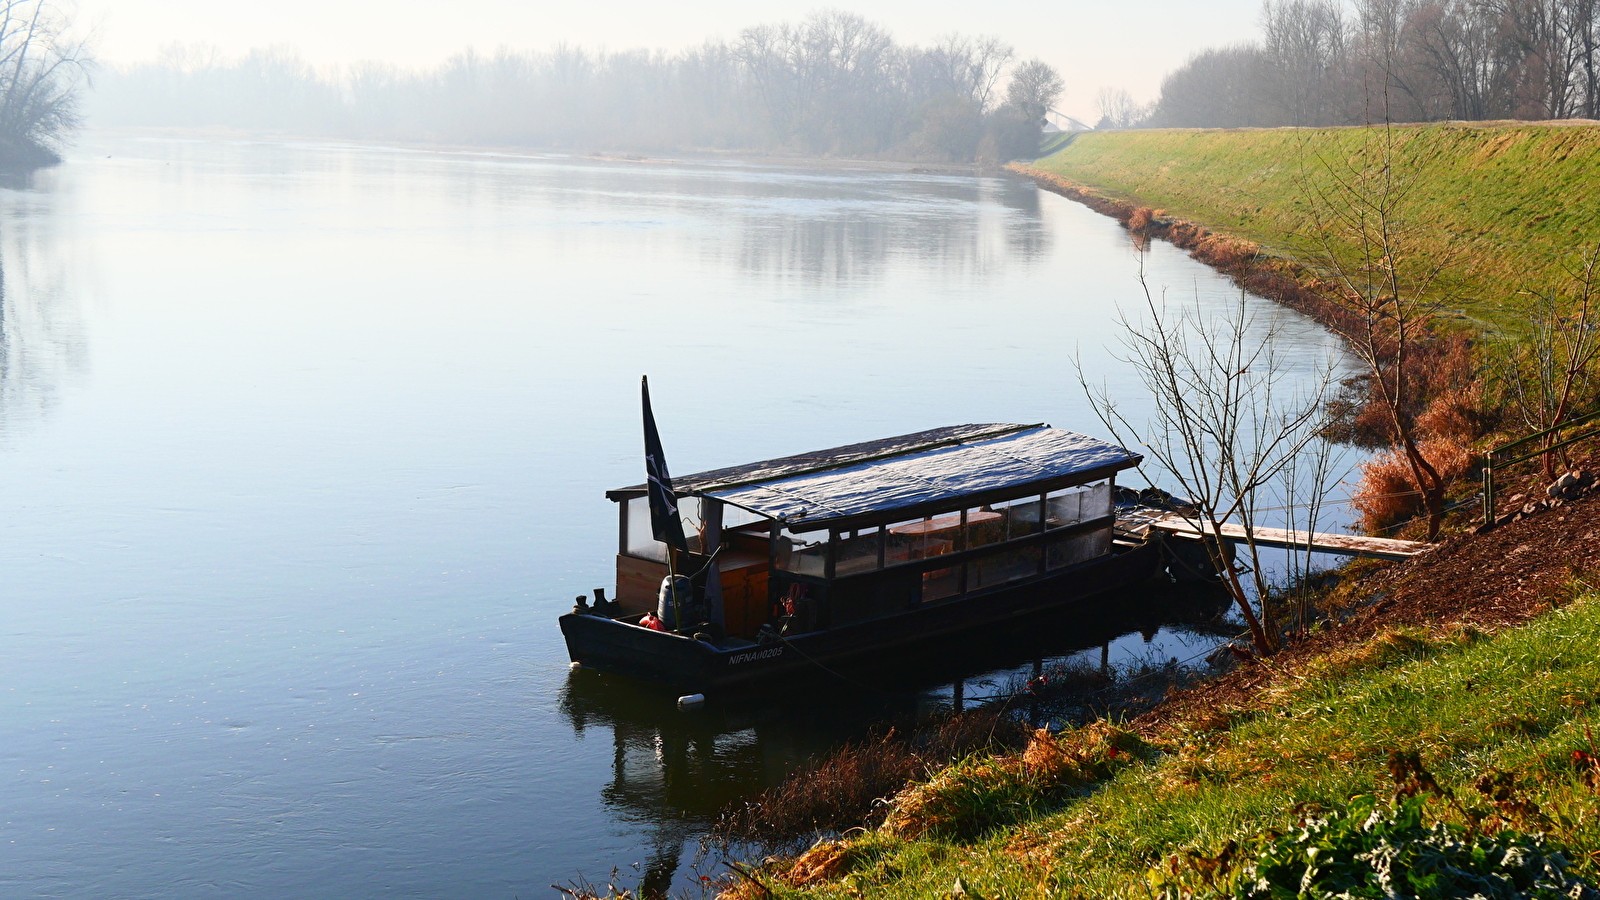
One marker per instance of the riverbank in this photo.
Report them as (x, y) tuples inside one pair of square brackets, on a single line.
[(20, 157), (1509, 204), (596, 154)]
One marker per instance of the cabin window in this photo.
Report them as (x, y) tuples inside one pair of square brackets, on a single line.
[(855, 552), (1006, 565), (1078, 548), (692, 518), (803, 554), (998, 522), (1077, 504), (641, 537), (985, 525), (922, 538), (641, 541), (734, 517)]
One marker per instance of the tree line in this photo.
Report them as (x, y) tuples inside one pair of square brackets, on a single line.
[(834, 83), (1327, 62)]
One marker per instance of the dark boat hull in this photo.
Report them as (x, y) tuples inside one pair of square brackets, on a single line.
[(697, 667)]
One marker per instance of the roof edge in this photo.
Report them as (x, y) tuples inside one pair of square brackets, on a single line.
[(624, 493)]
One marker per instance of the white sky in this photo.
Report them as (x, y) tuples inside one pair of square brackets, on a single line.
[(1093, 44)]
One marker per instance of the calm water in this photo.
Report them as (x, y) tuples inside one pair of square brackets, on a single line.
[(302, 449)]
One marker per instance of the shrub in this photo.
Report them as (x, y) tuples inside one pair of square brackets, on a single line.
[(1387, 494), (1366, 850)]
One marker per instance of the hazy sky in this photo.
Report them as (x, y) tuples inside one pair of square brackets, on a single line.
[(1093, 44)]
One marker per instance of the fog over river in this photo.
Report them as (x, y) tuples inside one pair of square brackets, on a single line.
[(302, 451)]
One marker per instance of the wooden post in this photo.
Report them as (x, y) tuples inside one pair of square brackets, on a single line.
[(1105, 659), (958, 694), (1488, 491)]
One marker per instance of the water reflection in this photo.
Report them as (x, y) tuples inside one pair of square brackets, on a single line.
[(834, 235), (42, 331), (673, 772)]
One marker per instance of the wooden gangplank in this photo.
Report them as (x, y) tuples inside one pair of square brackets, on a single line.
[(1338, 544)]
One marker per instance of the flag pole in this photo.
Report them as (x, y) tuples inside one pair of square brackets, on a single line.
[(665, 524)]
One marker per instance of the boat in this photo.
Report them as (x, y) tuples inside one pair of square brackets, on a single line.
[(787, 567)]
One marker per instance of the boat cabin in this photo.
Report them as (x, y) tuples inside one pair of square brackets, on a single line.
[(841, 536)]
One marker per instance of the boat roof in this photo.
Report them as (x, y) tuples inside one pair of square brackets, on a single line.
[(902, 474)]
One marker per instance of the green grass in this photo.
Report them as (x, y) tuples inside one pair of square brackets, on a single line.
[(1507, 204), (1520, 702), (1052, 143)]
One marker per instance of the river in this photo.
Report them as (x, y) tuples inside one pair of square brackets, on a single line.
[(304, 447)]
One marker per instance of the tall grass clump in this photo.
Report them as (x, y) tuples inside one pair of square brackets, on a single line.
[(848, 787)]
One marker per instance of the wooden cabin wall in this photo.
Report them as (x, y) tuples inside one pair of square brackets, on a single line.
[(745, 607), (638, 583)]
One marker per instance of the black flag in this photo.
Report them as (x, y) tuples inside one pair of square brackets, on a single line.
[(664, 522)]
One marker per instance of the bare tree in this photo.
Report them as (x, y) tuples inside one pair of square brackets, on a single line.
[(1428, 59), (1549, 368), (1386, 287), (1227, 427), (1117, 109), (1034, 87), (42, 71), (1222, 87), (1306, 43), (967, 67)]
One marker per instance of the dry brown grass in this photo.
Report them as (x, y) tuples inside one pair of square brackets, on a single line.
[(844, 789), (981, 793), (825, 861)]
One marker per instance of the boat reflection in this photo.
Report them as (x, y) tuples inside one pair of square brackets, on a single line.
[(672, 772)]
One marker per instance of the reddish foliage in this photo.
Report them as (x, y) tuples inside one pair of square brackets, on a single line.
[(1388, 494)]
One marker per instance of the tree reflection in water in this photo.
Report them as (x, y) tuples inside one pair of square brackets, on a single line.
[(42, 331), (673, 772)]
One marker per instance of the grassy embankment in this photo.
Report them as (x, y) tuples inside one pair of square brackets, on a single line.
[(1096, 812), (1507, 206), (1082, 819)]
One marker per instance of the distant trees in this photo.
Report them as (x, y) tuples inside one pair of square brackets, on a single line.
[(833, 83), (1326, 62), (1117, 109), (1034, 88), (42, 71)]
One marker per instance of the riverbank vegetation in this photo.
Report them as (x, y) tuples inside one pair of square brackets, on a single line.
[(834, 84)]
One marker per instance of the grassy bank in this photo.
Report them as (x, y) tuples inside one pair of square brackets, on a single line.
[(1503, 722), (1507, 204)]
